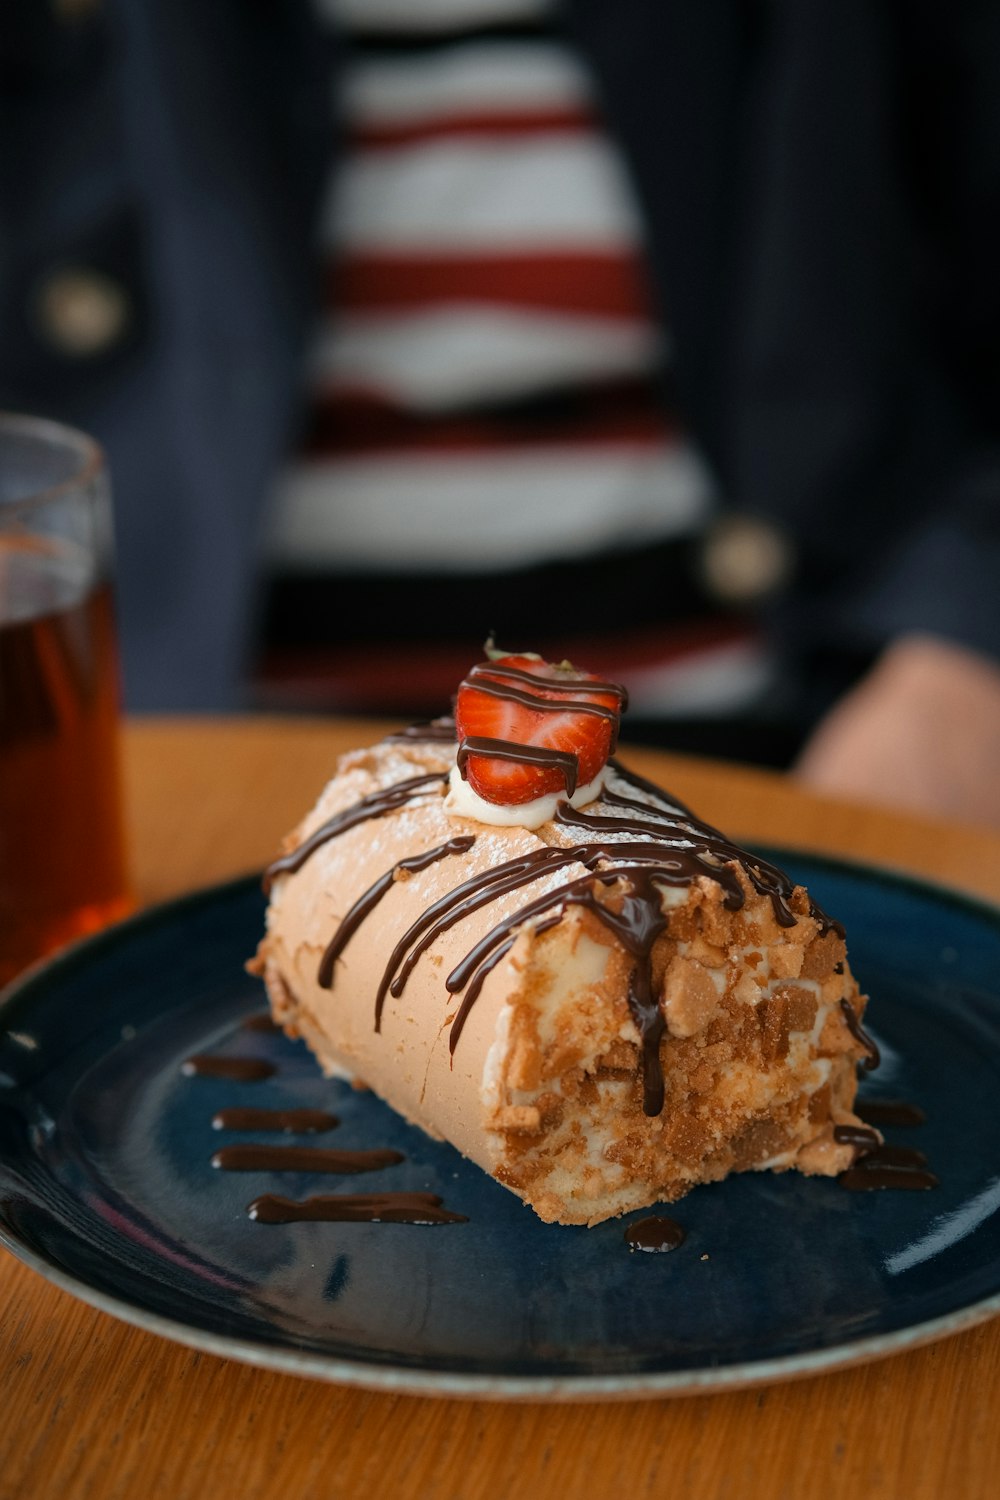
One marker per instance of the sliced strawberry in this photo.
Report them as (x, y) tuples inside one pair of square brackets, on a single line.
[(526, 728)]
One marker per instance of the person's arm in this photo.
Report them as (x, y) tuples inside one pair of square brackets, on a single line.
[(921, 731)]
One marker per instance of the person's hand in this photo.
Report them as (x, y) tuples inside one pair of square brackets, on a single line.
[(921, 731)]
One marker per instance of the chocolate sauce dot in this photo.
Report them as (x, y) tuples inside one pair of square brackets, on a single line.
[(655, 1235)]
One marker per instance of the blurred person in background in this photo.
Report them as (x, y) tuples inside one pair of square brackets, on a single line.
[(661, 335)]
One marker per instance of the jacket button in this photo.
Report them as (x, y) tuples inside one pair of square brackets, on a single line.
[(745, 560), (72, 11), (80, 312)]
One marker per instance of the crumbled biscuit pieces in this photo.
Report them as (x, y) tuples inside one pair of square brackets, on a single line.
[(758, 1059)]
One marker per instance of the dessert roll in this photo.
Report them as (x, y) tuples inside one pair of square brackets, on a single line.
[(538, 956)]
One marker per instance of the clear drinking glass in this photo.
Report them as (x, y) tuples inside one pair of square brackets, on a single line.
[(62, 859)]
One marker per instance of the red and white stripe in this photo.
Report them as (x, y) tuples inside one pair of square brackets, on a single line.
[(449, 357), (476, 510), (503, 89)]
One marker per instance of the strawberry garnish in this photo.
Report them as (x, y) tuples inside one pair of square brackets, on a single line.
[(527, 728)]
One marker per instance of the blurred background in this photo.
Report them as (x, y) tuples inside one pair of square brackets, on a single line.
[(662, 336)]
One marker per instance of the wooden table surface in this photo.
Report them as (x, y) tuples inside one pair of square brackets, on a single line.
[(93, 1408)]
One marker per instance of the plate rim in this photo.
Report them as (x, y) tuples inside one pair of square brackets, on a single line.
[(472, 1385)]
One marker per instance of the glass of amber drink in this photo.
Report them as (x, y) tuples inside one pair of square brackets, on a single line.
[(62, 860)]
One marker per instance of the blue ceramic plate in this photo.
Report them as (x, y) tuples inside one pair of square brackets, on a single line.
[(107, 1187)]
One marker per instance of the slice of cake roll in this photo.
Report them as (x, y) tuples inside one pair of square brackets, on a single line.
[(531, 952)]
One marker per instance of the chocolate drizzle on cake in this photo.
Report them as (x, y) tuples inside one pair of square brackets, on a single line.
[(370, 898), (637, 919), (563, 761), (530, 690), (691, 841), (434, 732), (640, 842), (854, 1026), (375, 805), (691, 831), (541, 695)]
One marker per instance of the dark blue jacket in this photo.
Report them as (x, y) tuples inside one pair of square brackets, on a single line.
[(821, 182)]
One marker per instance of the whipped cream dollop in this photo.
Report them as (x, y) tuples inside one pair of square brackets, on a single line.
[(462, 802)]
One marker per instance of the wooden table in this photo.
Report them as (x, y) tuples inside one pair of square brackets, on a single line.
[(92, 1408)]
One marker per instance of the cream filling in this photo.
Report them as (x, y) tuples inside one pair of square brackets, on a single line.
[(806, 1074), (463, 802)]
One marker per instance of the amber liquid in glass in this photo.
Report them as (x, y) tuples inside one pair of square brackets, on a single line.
[(62, 864)]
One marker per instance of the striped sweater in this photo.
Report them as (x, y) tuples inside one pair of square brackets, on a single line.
[(489, 440)]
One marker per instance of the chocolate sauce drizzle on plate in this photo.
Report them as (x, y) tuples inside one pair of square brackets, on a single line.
[(898, 1167), (859, 1136), (355, 1208), (386, 1207), (261, 1020), (237, 1069), (878, 1165), (890, 1112), (288, 1121), (260, 1158)]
